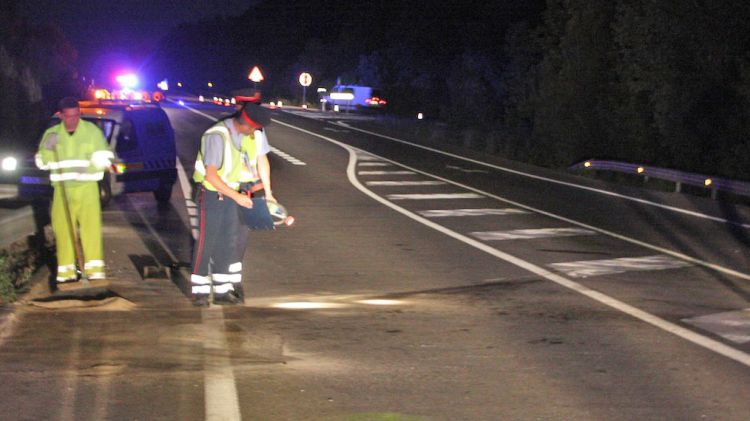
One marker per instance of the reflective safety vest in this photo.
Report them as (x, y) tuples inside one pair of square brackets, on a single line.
[(249, 172), (80, 157), (233, 168)]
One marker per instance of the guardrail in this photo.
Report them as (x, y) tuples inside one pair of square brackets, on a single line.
[(714, 184)]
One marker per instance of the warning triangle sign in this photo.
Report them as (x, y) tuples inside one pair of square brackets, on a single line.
[(255, 75)]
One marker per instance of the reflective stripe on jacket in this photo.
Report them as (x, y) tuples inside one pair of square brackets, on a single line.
[(78, 157)]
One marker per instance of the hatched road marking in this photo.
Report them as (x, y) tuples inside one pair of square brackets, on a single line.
[(673, 328), (530, 234), (586, 268), (444, 213), (406, 183), (386, 173), (374, 164), (419, 196), (730, 325)]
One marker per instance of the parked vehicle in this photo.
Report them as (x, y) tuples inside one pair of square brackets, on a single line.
[(139, 134), (354, 98)]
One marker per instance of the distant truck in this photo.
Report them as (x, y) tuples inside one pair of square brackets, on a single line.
[(354, 98)]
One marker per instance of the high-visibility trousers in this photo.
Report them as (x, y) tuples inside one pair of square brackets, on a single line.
[(86, 215), (220, 246)]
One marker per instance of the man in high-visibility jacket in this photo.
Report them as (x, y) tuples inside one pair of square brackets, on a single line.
[(228, 149), (76, 154)]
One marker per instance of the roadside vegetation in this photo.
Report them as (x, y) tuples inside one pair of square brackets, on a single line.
[(19, 262)]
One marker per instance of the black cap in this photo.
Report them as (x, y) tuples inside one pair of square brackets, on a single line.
[(255, 115)]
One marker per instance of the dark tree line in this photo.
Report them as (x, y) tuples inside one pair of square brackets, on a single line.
[(36, 69), (663, 82)]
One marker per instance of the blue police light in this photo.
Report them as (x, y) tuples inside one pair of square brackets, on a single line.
[(127, 81)]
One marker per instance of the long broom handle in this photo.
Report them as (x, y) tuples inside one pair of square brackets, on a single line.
[(71, 229)]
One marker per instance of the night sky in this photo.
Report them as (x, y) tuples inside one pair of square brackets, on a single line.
[(113, 35)]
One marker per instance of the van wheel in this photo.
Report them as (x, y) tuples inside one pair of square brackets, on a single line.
[(163, 193), (105, 191)]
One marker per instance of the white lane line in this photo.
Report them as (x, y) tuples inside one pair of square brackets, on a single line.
[(406, 183), (530, 234), (449, 196), (586, 268), (445, 213), (386, 173), (219, 385), (286, 156), (374, 164), (187, 194), (549, 180), (212, 118), (687, 334), (220, 389), (730, 325)]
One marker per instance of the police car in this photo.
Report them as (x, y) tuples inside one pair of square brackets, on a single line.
[(140, 135)]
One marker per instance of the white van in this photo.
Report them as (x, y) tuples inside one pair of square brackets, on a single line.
[(354, 98)]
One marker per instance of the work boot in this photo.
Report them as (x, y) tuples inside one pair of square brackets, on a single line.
[(230, 298), (239, 292), (200, 300)]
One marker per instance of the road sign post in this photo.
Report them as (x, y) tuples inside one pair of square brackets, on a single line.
[(256, 76), (305, 79)]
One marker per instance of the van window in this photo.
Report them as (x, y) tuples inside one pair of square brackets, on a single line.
[(126, 138)]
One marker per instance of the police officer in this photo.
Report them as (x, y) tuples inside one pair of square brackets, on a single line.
[(76, 154), (228, 149)]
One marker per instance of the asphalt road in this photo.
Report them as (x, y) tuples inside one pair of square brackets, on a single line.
[(414, 286)]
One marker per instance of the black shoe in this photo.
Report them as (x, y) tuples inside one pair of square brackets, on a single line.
[(230, 298), (200, 300), (239, 292)]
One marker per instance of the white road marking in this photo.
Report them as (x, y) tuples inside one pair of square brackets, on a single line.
[(547, 179), (687, 334), (386, 172), (585, 268), (364, 156), (466, 170), (187, 194), (450, 196), (731, 325), (374, 164), (444, 213), (530, 234), (286, 156), (406, 183), (220, 388)]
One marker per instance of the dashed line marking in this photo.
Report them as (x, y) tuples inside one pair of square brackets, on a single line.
[(530, 234), (586, 268), (445, 213), (286, 156)]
